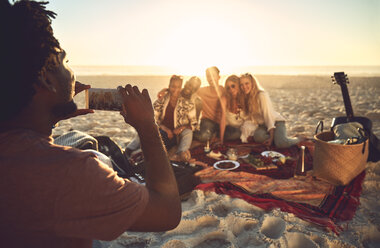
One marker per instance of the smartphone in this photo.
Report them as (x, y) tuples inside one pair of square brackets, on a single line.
[(103, 99)]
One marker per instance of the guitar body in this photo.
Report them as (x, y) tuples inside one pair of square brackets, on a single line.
[(374, 148)]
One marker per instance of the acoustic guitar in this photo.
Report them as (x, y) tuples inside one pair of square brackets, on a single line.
[(341, 79)]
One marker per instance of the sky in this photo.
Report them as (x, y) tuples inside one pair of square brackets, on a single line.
[(198, 33)]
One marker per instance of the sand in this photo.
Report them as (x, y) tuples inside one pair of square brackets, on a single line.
[(212, 220)]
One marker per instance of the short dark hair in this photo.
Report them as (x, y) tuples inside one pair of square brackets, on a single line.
[(26, 43)]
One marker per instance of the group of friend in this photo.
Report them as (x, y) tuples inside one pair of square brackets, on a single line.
[(242, 109), (59, 196)]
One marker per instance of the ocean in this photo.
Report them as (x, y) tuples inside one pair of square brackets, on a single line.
[(155, 78)]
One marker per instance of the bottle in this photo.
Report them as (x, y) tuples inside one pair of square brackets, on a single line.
[(207, 148), (300, 167)]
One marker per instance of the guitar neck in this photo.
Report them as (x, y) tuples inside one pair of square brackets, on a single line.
[(347, 101)]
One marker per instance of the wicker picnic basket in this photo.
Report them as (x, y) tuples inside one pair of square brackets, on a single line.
[(336, 163)]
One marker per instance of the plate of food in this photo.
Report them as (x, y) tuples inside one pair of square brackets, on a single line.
[(226, 165), (244, 156), (243, 152), (274, 155)]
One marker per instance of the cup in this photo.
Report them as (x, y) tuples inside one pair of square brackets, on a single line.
[(232, 154), (207, 148)]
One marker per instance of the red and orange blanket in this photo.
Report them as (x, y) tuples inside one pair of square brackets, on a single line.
[(308, 198)]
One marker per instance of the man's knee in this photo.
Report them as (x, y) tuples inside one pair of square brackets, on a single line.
[(203, 136), (260, 135), (187, 133), (279, 143), (232, 134)]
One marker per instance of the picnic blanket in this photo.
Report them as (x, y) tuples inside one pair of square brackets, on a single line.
[(303, 190), (307, 198)]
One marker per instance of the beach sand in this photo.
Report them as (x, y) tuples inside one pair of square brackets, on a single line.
[(212, 220)]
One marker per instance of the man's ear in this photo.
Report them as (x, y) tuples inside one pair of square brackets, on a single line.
[(44, 82)]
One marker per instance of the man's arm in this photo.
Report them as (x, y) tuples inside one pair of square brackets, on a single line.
[(168, 131), (163, 210), (180, 129), (222, 124), (162, 93)]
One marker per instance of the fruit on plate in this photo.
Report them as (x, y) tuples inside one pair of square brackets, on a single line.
[(255, 161)]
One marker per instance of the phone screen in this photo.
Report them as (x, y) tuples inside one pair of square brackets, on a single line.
[(103, 99)]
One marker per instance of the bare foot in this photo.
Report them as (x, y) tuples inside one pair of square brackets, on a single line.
[(185, 156), (175, 157)]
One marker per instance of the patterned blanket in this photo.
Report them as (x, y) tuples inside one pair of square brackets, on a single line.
[(306, 190), (308, 198)]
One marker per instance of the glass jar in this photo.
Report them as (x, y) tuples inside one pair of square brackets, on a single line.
[(232, 154)]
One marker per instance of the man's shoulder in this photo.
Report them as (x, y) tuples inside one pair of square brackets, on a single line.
[(21, 141), (203, 90), (222, 91)]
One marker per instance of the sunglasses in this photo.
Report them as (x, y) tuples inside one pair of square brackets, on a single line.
[(232, 86)]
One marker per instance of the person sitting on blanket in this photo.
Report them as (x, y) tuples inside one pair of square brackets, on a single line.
[(189, 92), (176, 118), (265, 124), (213, 97), (57, 196), (235, 114)]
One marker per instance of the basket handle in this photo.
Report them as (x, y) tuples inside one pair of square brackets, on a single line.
[(319, 125), (364, 134)]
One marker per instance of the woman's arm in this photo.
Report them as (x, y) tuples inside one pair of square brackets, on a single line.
[(269, 141), (267, 110)]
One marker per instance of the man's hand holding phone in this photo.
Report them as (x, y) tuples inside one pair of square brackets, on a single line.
[(137, 107)]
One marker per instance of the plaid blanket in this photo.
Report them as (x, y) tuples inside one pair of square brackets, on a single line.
[(311, 200)]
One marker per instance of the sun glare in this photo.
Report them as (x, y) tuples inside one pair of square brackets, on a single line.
[(191, 46), (190, 36)]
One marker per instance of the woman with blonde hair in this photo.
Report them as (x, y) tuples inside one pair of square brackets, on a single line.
[(234, 108), (258, 106)]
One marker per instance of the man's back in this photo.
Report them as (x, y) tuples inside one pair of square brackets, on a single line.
[(54, 196)]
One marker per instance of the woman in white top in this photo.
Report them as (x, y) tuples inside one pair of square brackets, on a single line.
[(234, 108), (258, 106)]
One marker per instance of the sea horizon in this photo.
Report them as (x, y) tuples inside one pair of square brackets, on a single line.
[(136, 70)]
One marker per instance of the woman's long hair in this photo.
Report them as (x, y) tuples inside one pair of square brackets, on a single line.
[(251, 101), (240, 96)]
